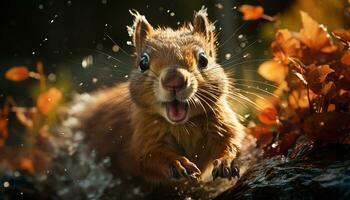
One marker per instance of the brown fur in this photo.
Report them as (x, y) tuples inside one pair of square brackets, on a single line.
[(125, 121)]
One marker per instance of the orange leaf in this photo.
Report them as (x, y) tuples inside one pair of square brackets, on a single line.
[(287, 142), (313, 35), (330, 49), (263, 135), (17, 73), (331, 108), (268, 116), (343, 36), (285, 45), (26, 164), (47, 101), (273, 71), (299, 98), (345, 59), (251, 12), (316, 78)]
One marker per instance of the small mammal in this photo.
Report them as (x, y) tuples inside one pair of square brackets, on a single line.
[(172, 119)]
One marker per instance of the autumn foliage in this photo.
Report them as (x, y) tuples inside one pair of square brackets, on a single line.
[(19, 73), (254, 12), (34, 156), (312, 69), (251, 12)]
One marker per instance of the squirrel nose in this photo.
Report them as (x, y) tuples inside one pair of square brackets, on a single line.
[(173, 80)]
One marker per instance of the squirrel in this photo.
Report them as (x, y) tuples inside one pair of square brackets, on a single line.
[(172, 119)]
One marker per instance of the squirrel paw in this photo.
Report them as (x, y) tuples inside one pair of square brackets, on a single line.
[(183, 168), (225, 168)]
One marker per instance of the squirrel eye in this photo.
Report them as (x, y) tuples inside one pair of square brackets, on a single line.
[(144, 62), (202, 60)]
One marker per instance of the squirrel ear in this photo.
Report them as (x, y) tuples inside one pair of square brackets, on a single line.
[(140, 30), (202, 26)]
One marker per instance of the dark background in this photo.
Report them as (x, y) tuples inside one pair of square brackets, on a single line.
[(62, 32)]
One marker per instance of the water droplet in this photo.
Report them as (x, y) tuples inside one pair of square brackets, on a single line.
[(84, 64), (106, 25), (16, 173), (227, 56), (219, 6), (33, 53), (51, 77), (136, 191), (196, 156), (247, 55), (129, 43), (45, 39), (322, 123), (234, 8), (243, 44), (115, 48), (168, 11), (241, 36), (51, 21), (178, 23), (172, 14), (69, 3), (274, 145), (94, 80), (126, 76), (81, 84), (41, 6), (104, 1), (87, 61), (6, 184)]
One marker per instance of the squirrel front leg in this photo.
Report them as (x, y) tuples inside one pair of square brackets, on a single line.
[(226, 165), (161, 165), (158, 162)]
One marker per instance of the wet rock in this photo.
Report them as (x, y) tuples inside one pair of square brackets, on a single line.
[(321, 172)]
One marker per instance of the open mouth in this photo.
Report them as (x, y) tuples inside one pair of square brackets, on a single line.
[(176, 110)]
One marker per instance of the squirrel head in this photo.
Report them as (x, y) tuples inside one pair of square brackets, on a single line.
[(176, 74)]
